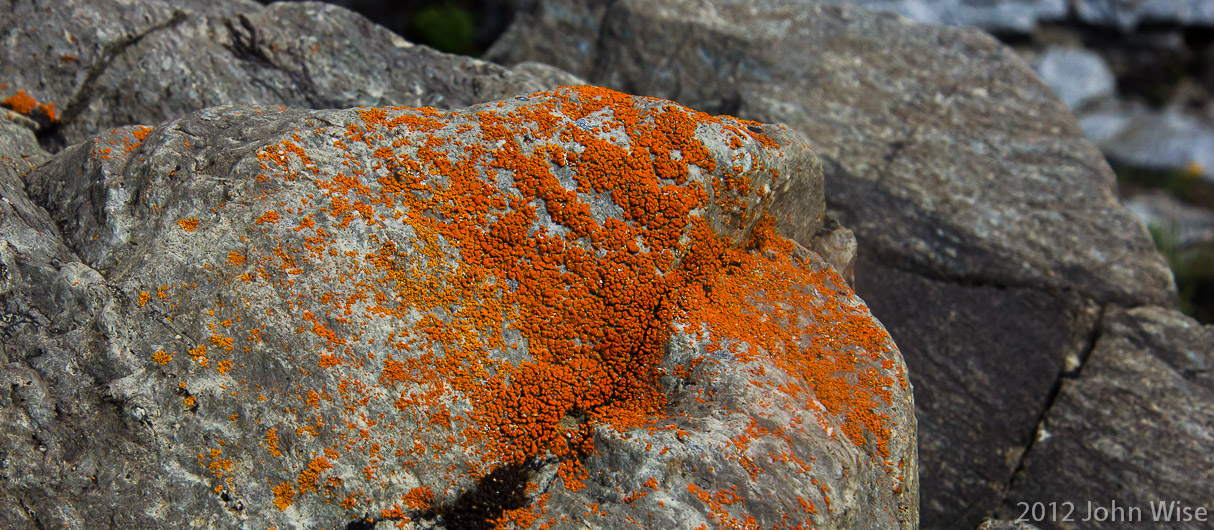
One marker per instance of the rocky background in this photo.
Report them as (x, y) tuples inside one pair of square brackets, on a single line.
[(1043, 332)]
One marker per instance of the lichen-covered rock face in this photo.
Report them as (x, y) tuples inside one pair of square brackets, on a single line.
[(564, 309)]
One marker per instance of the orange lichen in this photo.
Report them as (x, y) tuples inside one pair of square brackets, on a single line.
[(524, 313), (23, 103), (161, 357), (268, 217), (419, 498), (284, 494), (188, 224), (198, 353), (310, 476)]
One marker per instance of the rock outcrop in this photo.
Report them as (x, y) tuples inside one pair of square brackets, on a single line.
[(1133, 426), (98, 64), (565, 306), (991, 242)]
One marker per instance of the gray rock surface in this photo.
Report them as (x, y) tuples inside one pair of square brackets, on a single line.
[(985, 359), (893, 132), (1128, 15), (1022, 16), (1135, 425), (978, 206), (993, 15), (1163, 140), (1076, 75), (108, 63), (253, 316)]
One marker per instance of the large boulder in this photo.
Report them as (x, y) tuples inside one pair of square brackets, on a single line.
[(991, 239), (92, 65), (1133, 429), (568, 306)]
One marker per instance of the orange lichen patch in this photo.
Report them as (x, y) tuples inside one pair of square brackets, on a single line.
[(23, 103), (198, 352), (144, 296), (310, 476), (136, 137), (835, 352), (222, 342), (284, 494), (161, 357), (188, 224), (419, 498), (268, 217), (189, 401), (718, 508)]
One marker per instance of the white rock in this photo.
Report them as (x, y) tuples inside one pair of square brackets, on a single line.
[(1076, 75)]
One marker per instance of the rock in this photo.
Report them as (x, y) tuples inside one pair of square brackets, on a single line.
[(997, 524), (1019, 16), (65, 449), (543, 309), (837, 247), (1076, 75), (107, 63), (976, 202), (1105, 122), (979, 393), (1189, 226), (1132, 427), (1162, 140), (832, 100), (1129, 15), (1022, 16)]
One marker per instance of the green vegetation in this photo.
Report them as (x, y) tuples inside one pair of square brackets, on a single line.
[(1193, 269), (445, 27), (1192, 266), (1185, 184)]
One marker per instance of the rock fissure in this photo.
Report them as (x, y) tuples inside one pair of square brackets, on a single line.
[(49, 137), (1092, 337), (246, 47)]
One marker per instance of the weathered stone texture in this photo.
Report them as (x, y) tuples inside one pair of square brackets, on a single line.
[(529, 309), (981, 393), (977, 204), (107, 63), (1134, 426)]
